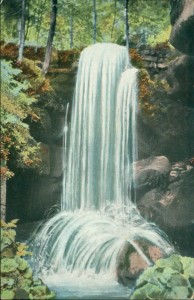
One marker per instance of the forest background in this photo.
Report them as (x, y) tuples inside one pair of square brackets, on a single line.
[(56, 25)]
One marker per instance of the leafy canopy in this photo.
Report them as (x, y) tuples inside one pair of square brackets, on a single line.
[(147, 20)]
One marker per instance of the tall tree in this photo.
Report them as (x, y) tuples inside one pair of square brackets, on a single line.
[(127, 23), (51, 34), (22, 31), (71, 30), (39, 12), (94, 21), (144, 23), (115, 15)]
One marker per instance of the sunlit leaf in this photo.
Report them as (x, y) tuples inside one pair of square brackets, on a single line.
[(7, 295), (8, 265)]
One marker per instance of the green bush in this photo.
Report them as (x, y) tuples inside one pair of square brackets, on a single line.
[(17, 105), (169, 278), (17, 280)]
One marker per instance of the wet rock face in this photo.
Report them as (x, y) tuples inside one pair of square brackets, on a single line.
[(176, 10), (150, 173), (182, 19), (170, 132), (130, 264), (180, 77), (171, 207)]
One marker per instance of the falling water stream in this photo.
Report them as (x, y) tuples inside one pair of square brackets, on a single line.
[(77, 249)]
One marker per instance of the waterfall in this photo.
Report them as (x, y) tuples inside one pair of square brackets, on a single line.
[(98, 216), (92, 179)]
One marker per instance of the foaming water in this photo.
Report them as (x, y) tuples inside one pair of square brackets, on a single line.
[(75, 286), (97, 216), (91, 241)]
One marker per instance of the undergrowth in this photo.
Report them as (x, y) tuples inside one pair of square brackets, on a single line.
[(17, 280)]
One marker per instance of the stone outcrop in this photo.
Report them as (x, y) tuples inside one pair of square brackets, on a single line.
[(182, 20), (169, 132), (150, 173), (156, 59), (130, 264), (170, 206), (180, 77)]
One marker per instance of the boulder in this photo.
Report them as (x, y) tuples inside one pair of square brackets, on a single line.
[(182, 20), (172, 209), (130, 264), (178, 202), (174, 206), (149, 173)]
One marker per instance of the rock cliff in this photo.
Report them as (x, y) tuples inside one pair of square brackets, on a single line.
[(182, 20)]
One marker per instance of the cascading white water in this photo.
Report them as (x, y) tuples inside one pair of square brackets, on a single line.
[(93, 172), (125, 135), (97, 216)]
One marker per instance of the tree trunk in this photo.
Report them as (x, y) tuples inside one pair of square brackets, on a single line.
[(94, 21), (127, 23), (71, 31), (114, 21), (27, 18), (22, 31), (39, 22), (3, 198), (51, 34)]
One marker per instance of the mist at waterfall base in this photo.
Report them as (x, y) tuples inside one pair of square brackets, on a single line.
[(77, 250)]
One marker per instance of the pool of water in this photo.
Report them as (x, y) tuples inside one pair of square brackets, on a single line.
[(81, 287)]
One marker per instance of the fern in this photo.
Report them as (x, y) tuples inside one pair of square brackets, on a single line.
[(16, 107)]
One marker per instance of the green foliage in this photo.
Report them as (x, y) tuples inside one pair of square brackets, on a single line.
[(7, 294), (17, 280), (22, 264), (8, 237), (147, 21), (16, 106), (8, 265), (32, 74), (170, 278), (39, 292), (147, 88)]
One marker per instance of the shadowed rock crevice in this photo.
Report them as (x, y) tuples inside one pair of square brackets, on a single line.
[(182, 19)]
